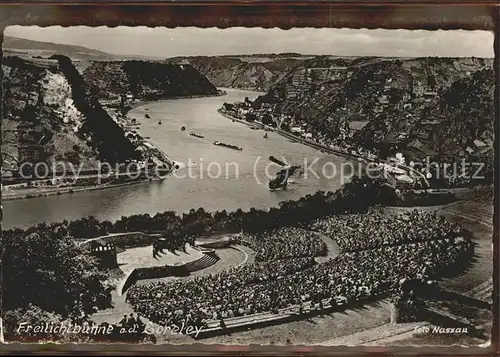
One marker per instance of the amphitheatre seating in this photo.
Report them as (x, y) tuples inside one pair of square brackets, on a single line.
[(105, 253), (267, 318)]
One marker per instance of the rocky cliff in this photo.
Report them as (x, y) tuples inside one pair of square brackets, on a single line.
[(147, 80), (251, 72)]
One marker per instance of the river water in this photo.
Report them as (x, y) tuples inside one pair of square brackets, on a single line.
[(216, 178)]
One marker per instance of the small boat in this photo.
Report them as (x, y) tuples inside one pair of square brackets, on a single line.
[(159, 123), (196, 135), (254, 128), (234, 147), (265, 136), (147, 116)]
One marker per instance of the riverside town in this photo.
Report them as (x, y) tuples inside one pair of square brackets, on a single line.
[(318, 187)]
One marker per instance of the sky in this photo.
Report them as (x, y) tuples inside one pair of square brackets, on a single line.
[(190, 41)]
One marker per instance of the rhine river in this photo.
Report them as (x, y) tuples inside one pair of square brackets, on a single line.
[(217, 178)]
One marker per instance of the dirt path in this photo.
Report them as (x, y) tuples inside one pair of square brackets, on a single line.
[(332, 247)]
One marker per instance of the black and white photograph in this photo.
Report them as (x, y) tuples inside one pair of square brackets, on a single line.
[(247, 186)]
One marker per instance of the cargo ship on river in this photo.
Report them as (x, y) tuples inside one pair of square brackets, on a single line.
[(234, 147)]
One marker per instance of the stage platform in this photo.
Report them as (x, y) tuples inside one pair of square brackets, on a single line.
[(142, 257)]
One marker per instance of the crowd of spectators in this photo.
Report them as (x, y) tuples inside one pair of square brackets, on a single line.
[(364, 270), (284, 243), (355, 232)]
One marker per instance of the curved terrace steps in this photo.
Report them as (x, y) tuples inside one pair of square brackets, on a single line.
[(203, 263)]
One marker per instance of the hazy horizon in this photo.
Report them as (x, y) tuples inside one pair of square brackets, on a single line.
[(192, 41)]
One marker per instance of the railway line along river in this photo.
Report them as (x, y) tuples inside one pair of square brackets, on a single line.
[(211, 176)]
